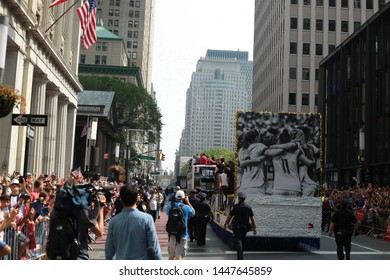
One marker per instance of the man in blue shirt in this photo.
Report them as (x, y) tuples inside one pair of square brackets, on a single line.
[(131, 234), (177, 250)]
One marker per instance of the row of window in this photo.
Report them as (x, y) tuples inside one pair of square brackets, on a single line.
[(344, 3), (117, 3), (116, 13), (102, 59), (320, 24), (306, 48), (305, 74), (130, 24), (305, 100)]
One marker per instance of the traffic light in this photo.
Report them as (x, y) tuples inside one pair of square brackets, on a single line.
[(162, 157), (158, 156)]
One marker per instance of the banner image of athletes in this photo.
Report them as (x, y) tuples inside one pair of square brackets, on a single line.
[(278, 166), (278, 154)]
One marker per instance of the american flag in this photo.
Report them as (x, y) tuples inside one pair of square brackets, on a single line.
[(77, 173), (84, 132), (87, 17), (56, 2)]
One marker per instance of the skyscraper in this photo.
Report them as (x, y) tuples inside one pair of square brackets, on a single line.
[(221, 85), (132, 20), (291, 38)]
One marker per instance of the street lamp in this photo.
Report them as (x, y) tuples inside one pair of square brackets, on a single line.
[(3, 44)]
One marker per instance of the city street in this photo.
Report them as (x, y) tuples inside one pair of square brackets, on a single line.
[(363, 248)]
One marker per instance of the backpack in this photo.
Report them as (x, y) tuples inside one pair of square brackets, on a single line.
[(62, 240), (175, 225)]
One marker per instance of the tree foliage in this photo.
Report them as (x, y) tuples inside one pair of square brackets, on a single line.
[(136, 109), (220, 152)]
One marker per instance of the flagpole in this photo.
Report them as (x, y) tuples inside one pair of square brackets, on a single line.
[(77, 1)]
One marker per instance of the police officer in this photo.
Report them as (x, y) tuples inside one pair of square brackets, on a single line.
[(203, 215), (343, 222), (241, 213), (192, 197)]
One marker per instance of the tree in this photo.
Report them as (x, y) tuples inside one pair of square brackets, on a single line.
[(136, 109), (220, 152)]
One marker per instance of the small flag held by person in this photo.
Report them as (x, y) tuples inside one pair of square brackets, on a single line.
[(84, 132), (87, 17), (56, 2)]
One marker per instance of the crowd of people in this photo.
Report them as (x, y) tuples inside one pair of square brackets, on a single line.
[(371, 206)]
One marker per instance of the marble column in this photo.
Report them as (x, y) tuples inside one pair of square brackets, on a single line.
[(49, 139), (62, 118), (38, 102)]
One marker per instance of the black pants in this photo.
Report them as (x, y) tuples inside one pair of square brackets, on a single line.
[(201, 221), (240, 236), (343, 242), (191, 228)]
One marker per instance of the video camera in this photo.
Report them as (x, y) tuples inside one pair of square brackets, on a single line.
[(94, 190)]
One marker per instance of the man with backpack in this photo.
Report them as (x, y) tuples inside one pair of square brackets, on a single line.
[(178, 213)]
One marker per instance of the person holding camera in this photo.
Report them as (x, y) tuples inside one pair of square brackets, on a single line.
[(131, 233)]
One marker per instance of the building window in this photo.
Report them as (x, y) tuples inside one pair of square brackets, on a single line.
[(318, 49), (332, 3), (331, 48), (317, 74), (319, 24), (292, 98), (111, 12), (110, 22), (116, 23), (104, 46), (129, 34), (135, 44), (293, 23), (128, 44), (293, 73), (136, 14), (344, 3), (99, 12), (332, 25), (382, 3), (305, 74), (305, 99), (115, 32), (100, 2), (356, 4), (130, 24), (315, 99), (134, 55), (369, 4), (98, 46), (117, 13), (82, 59), (97, 59), (320, 3), (131, 3), (306, 2), (131, 13), (136, 24), (293, 48), (104, 59), (137, 4), (306, 24), (135, 34), (294, 2), (356, 25), (306, 48), (344, 26)]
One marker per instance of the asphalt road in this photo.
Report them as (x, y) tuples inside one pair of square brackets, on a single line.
[(363, 248)]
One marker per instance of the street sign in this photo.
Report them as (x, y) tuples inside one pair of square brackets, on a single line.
[(145, 157), (28, 119), (30, 132)]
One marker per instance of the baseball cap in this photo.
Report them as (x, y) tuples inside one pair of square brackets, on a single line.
[(179, 195), (177, 188), (202, 195), (242, 195), (28, 174), (15, 181)]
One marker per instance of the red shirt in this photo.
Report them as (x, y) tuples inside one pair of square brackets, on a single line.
[(203, 160)]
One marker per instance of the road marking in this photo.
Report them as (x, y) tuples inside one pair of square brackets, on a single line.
[(355, 244)]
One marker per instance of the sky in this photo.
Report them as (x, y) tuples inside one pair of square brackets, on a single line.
[(184, 31)]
